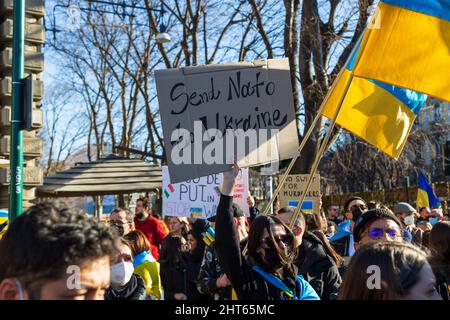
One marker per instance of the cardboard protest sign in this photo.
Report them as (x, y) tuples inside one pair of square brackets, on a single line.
[(293, 188), (199, 197), (214, 114)]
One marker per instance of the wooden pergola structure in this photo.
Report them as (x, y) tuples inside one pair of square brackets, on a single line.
[(112, 175)]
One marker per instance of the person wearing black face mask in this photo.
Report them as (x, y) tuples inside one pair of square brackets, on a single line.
[(357, 211), (121, 219), (354, 208), (117, 227), (267, 272)]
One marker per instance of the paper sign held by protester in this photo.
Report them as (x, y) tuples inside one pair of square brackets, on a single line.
[(292, 190), (199, 197), (214, 114)]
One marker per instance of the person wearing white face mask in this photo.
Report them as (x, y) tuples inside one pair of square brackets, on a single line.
[(406, 214), (124, 285)]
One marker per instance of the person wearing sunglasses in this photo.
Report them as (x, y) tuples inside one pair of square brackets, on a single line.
[(377, 225), (316, 259), (267, 271), (333, 214)]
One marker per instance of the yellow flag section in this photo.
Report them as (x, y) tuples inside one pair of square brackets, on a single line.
[(380, 114), (422, 199), (410, 47)]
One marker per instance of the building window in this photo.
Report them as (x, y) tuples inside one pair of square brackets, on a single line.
[(437, 112)]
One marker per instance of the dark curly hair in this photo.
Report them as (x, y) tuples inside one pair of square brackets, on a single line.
[(42, 242)]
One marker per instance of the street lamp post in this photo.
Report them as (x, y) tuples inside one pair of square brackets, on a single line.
[(16, 147)]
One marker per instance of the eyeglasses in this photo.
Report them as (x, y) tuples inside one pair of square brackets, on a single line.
[(126, 257), (285, 238), (377, 233)]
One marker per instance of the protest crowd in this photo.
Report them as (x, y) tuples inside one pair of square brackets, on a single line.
[(367, 251), (253, 115)]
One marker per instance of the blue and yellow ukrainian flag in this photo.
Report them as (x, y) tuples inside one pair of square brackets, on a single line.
[(410, 46), (379, 113), (3, 222), (425, 194)]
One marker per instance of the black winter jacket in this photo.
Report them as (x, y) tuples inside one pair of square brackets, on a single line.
[(318, 268), (134, 290), (181, 278), (173, 279), (210, 271)]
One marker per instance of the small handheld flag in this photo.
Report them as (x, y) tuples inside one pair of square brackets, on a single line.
[(217, 190), (425, 194), (3, 222), (209, 236)]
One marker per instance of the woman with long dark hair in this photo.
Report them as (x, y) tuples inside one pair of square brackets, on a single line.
[(174, 268), (389, 270), (267, 272), (194, 258)]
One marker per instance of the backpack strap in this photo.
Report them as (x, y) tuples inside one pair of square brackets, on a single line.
[(285, 291)]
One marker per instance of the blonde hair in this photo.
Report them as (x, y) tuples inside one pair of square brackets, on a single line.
[(185, 225)]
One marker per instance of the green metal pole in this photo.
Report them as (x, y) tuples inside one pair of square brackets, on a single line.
[(16, 148)]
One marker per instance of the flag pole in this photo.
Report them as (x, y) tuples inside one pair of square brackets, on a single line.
[(310, 129), (16, 146), (324, 144)]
